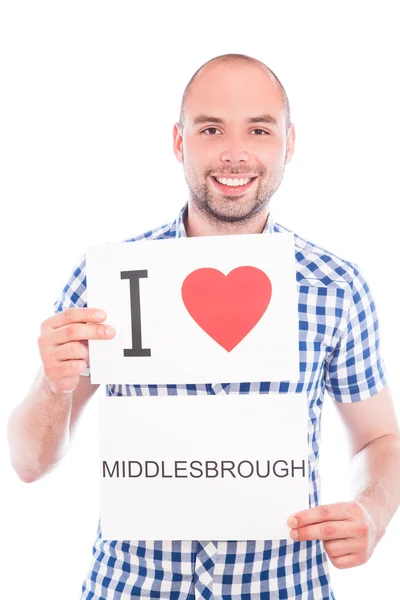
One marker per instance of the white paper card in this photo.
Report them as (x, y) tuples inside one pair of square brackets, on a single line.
[(204, 309), (152, 488)]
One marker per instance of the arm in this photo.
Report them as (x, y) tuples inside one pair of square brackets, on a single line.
[(375, 440), (355, 377), (40, 428), (351, 530)]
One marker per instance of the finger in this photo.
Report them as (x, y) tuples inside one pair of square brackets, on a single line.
[(330, 530), (80, 331), (339, 547), (347, 560), (319, 514), (73, 315), (65, 368), (71, 350)]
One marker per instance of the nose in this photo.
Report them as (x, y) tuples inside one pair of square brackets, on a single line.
[(234, 151)]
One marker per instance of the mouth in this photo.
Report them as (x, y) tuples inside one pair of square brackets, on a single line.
[(232, 186)]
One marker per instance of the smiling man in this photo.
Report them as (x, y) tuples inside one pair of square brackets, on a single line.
[(234, 139), (234, 145)]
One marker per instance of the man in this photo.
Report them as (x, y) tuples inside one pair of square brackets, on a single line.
[(234, 139)]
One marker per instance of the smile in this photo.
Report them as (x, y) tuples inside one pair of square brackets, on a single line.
[(232, 186)]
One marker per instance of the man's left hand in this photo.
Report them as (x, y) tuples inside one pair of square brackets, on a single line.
[(347, 530)]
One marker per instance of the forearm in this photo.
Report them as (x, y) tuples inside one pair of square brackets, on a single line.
[(38, 431), (377, 479)]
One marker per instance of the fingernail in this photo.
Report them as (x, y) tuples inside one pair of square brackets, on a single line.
[(110, 331), (100, 315), (294, 534), (292, 522)]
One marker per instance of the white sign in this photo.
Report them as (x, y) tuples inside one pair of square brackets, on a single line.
[(196, 310), (222, 467)]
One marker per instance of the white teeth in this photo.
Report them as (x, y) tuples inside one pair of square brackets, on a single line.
[(232, 182)]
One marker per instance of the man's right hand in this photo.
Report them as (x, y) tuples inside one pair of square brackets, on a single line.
[(63, 345)]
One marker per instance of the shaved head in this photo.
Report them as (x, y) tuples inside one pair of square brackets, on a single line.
[(234, 139), (231, 61)]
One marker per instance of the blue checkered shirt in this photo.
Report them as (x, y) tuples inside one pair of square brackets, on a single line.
[(339, 352)]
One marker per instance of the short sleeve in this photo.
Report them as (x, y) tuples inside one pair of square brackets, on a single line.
[(355, 370), (74, 295)]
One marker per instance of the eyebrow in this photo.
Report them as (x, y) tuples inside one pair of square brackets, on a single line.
[(258, 119)]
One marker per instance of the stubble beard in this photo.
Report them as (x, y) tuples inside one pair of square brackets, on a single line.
[(218, 208)]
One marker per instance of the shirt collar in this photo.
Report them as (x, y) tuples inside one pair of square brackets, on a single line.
[(180, 223)]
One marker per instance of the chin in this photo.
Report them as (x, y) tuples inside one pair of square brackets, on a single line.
[(233, 214)]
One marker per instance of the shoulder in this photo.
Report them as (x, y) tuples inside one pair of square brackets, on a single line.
[(74, 292), (162, 232), (317, 264)]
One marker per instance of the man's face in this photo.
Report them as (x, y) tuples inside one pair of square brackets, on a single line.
[(233, 147)]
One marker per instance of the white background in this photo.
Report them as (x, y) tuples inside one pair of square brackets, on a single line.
[(90, 92)]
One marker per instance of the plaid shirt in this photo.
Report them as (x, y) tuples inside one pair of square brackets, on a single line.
[(339, 352)]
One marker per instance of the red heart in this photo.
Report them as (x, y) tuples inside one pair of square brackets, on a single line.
[(227, 307)]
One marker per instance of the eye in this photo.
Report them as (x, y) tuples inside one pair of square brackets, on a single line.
[(263, 131), (210, 129)]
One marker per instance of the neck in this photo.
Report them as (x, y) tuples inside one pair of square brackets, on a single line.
[(199, 224)]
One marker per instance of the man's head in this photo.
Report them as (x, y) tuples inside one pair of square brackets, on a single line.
[(232, 89)]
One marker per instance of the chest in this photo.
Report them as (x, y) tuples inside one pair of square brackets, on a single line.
[(323, 313)]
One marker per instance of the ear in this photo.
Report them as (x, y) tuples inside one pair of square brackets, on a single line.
[(290, 139), (178, 142)]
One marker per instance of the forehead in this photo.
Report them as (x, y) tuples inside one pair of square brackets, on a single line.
[(233, 91)]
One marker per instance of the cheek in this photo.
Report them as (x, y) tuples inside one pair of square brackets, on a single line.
[(270, 155), (195, 153), (200, 160)]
